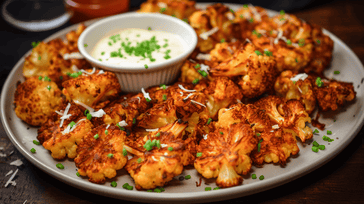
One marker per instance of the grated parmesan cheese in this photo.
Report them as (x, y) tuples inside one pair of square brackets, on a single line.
[(146, 95), (64, 115), (107, 127), (73, 55), (17, 162), (230, 16), (123, 123), (88, 73), (183, 88), (202, 56), (204, 68), (198, 103), (205, 137), (84, 105), (188, 96), (75, 68), (10, 172), (68, 129), (275, 126), (98, 114), (11, 179), (206, 34), (101, 72), (164, 145), (302, 76), (162, 5), (152, 130)]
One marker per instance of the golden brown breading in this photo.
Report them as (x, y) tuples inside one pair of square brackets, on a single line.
[(181, 9), (100, 153), (274, 147), (64, 141), (72, 38), (221, 93), (36, 99), (214, 17), (333, 94), (189, 72), (163, 158), (93, 89), (301, 90), (288, 114), (225, 154), (256, 71)]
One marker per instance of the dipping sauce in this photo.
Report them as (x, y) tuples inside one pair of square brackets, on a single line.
[(140, 46)]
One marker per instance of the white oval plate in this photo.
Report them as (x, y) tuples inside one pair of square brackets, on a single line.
[(348, 123)]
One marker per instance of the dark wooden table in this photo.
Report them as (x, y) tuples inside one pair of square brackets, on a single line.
[(341, 180)]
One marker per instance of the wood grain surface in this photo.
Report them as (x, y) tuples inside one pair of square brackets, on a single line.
[(341, 180)]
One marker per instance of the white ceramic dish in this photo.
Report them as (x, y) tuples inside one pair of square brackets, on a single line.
[(348, 124), (134, 77)]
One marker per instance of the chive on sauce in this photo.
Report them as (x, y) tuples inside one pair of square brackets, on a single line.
[(140, 46)]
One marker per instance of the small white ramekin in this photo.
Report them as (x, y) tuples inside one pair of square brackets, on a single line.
[(133, 78)]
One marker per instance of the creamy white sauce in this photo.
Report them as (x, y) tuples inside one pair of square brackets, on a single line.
[(110, 49)]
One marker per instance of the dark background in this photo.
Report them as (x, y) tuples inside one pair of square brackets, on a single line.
[(341, 180)]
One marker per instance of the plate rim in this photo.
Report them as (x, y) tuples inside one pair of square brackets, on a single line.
[(222, 194)]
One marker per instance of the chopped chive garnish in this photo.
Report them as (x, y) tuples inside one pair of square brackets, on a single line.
[(162, 10), (106, 132), (222, 40), (170, 148), (39, 58), (209, 121), (163, 86), (282, 12), (336, 72), (85, 45), (257, 52), (203, 73), (195, 81), (96, 136), (289, 42), (208, 189), (329, 132), (78, 174), (321, 147), (139, 160), (319, 83), (36, 142), (315, 131), (315, 144), (164, 97), (197, 66), (187, 177), (217, 188), (102, 53), (301, 42), (149, 28), (110, 155), (314, 149), (268, 53), (258, 134), (326, 138), (32, 150), (254, 176), (221, 133), (40, 77), (125, 152), (157, 190), (146, 66), (35, 44), (134, 121), (113, 184), (72, 124), (261, 177), (158, 134), (198, 154), (318, 41), (88, 116), (60, 166)]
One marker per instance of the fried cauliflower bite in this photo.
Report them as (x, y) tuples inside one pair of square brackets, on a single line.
[(333, 94), (256, 71), (322, 51), (248, 17), (290, 88), (100, 153), (92, 88), (189, 72), (223, 51), (225, 154), (64, 141), (212, 25), (181, 9), (72, 38), (163, 158), (275, 147), (221, 93), (158, 116), (287, 114), (36, 99)]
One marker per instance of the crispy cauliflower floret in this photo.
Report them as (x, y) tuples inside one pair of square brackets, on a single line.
[(213, 25), (256, 71), (178, 8), (224, 154), (92, 89), (100, 153), (301, 89), (322, 52), (224, 50), (64, 141), (158, 116), (72, 38), (221, 93), (36, 99), (333, 94), (248, 17), (189, 72), (274, 147), (163, 158), (287, 114)]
